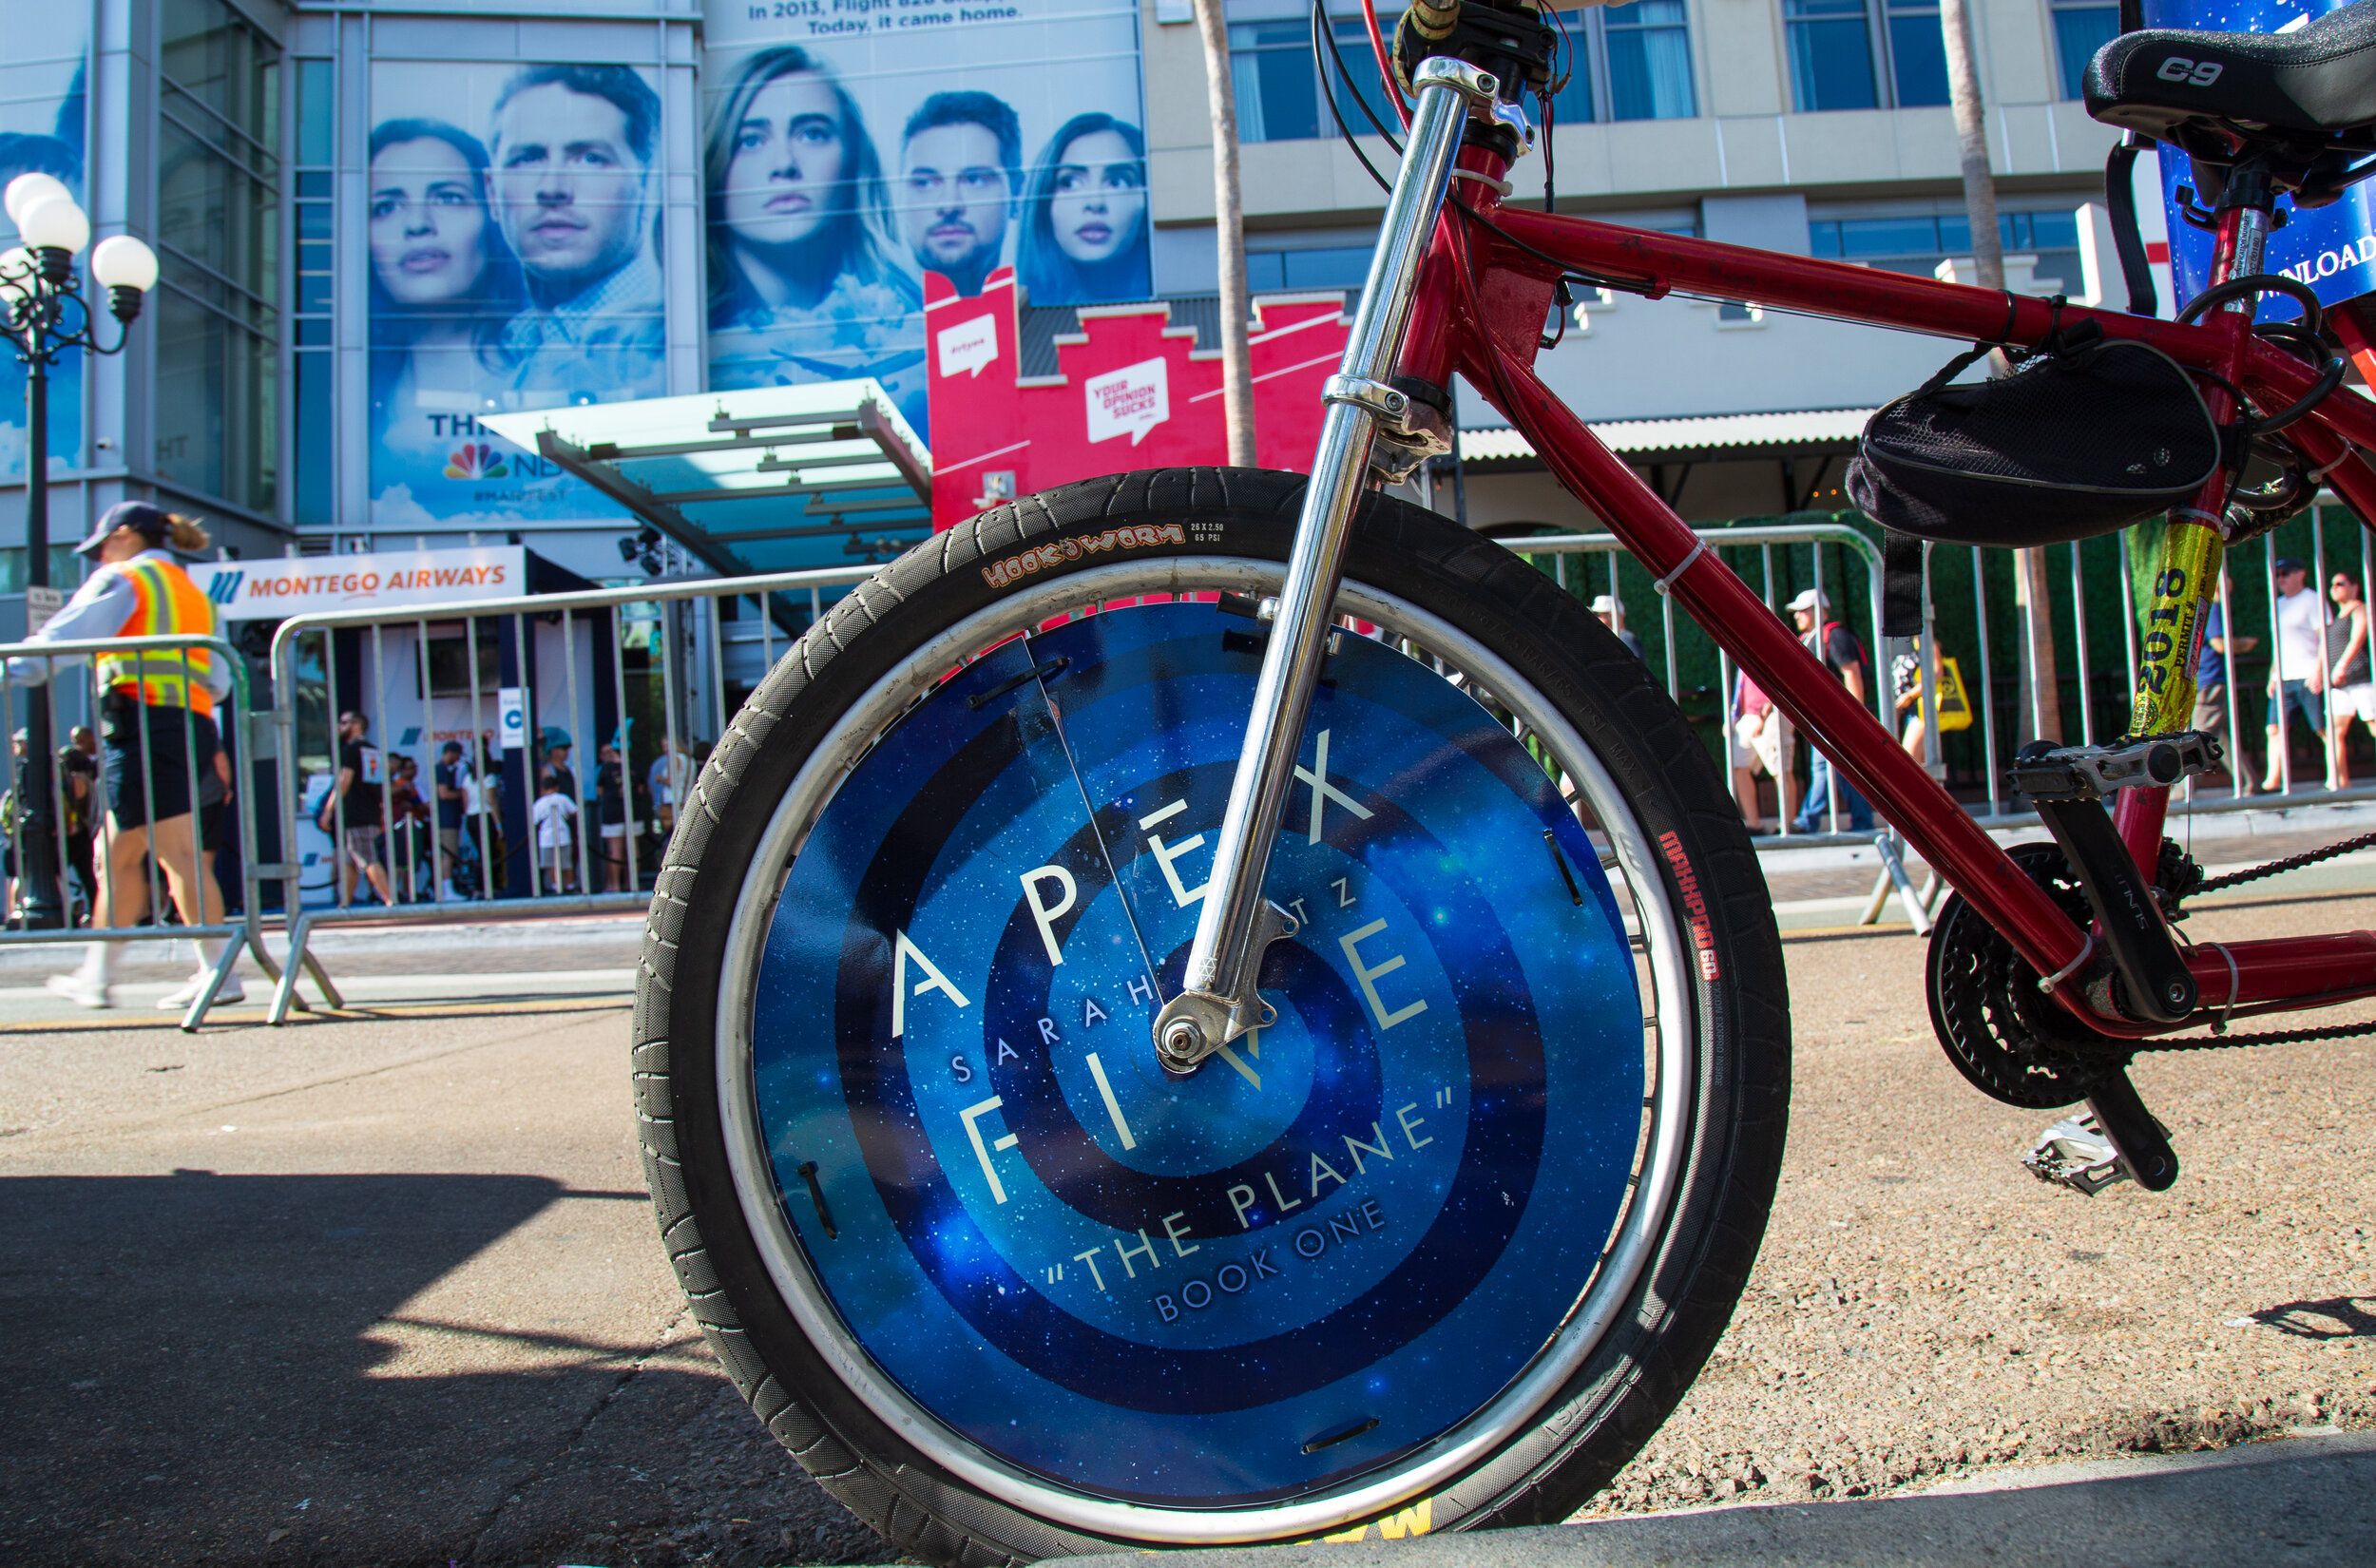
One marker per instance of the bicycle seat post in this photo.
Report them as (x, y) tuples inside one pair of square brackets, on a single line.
[(1217, 1000)]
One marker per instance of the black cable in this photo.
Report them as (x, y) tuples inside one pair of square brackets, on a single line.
[(1336, 112), (1544, 95)]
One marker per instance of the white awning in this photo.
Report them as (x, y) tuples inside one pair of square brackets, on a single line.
[(1698, 434)]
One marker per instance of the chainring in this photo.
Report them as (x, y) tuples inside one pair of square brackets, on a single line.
[(2008, 1038)]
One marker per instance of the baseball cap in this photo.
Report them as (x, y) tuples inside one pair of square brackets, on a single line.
[(1603, 604), (1810, 600), (152, 521), (2290, 563)]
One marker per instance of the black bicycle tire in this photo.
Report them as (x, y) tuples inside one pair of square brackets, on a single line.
[(1641, 1368)]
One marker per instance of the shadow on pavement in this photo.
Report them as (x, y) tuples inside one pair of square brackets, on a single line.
[(214, 1368)]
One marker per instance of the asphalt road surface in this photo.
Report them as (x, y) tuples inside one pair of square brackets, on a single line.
[(385, 1289)]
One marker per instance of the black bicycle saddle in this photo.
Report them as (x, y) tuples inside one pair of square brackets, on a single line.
[(2317, 81)]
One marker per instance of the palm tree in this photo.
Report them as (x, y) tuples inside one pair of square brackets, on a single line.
[(2042, 717), (1229, 214)]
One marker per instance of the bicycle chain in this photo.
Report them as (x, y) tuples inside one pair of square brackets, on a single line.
[(2272, 1037), (2290, 863)]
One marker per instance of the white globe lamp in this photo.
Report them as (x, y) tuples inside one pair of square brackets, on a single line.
[(126, 269), (53, 223), (25, 189)]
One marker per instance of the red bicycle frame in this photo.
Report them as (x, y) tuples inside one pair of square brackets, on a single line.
[(1480, 303)]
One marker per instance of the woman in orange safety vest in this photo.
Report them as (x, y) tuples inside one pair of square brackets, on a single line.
[(159, 736)]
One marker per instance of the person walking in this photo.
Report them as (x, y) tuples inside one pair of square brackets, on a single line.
[(79, 761), (357, 791), (158, 733), (610, 797), (446, 780), (1832, 642), (668, 778), (551, 818), (1761, 739), (2350, 684), (2298, 679), (2210, 681)]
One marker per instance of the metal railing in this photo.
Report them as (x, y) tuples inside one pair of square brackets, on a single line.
[(2081, 631), (89, 883), (691, 645), (1765, 539), (689, 653)]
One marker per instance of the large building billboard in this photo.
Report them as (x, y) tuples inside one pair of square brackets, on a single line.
[(514, 264), (41, 108), (851, 145)]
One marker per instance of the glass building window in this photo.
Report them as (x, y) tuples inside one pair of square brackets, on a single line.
[(1630, 61), (1322, 267), (2079, 30), (312, 458), (1866, 54), (1647, 47), (1918, 53), (219, 244), (1278, 92), (1918, 244), (1831, 55)]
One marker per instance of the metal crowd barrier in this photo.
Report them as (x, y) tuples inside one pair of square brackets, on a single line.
[(83, 877), (689, 650), (690, 660), (2088, 642), (1764, 538)]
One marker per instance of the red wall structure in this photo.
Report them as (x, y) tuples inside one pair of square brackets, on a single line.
[(1132, 391)]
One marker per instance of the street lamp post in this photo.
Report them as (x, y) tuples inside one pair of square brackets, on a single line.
[(42, 314)]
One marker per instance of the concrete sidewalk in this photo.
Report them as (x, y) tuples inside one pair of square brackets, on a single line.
[(2306, 1502)]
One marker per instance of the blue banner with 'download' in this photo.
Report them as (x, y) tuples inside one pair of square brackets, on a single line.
[(2331, 248)]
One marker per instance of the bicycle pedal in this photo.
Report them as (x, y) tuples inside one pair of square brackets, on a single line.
[(2090, 772), (2074, 1153)]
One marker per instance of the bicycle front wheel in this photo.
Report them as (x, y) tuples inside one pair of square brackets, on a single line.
[(1437, 1248)]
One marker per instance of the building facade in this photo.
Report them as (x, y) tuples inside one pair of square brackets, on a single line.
[(380, 220)]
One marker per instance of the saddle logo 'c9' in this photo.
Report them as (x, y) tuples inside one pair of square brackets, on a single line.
[(1059, 551), (2179, 68)]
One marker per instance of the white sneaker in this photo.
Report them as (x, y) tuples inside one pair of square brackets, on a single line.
[(80, 989), (231, 994)]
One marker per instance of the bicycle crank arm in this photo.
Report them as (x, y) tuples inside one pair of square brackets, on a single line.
[(1217, 1000), (2066, 785), (2154, 972), (2135, 1136)]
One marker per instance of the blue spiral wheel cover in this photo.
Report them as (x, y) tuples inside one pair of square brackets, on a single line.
[(1329, 1247)]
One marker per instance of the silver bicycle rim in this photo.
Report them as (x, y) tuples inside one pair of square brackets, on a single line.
[(1668, 1017)]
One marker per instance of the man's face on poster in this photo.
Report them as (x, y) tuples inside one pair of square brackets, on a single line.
[(568, 189), (954, 197)]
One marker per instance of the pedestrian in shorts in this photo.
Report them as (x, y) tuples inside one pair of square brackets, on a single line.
[(357, 792)]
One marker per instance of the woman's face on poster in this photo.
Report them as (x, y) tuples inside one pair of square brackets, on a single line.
[(783, 180), (1100, 198), (428, 223)]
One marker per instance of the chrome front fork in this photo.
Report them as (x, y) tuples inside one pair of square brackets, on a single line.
[(1217, 1001)]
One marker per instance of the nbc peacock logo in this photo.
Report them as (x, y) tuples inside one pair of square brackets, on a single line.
[(476, 460)]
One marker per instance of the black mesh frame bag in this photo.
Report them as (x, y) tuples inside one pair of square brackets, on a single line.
[(2089, 435)]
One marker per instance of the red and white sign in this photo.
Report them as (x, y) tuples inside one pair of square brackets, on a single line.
[(1129, 372)]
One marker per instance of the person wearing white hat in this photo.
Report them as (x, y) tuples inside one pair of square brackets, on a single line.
[(160, 735), (1832, 642), (1610, 611)]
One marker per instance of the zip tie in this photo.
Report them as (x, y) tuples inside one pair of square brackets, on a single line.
[(2316, 474), (2236, 988), (2048, 982), (1699, 548)]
